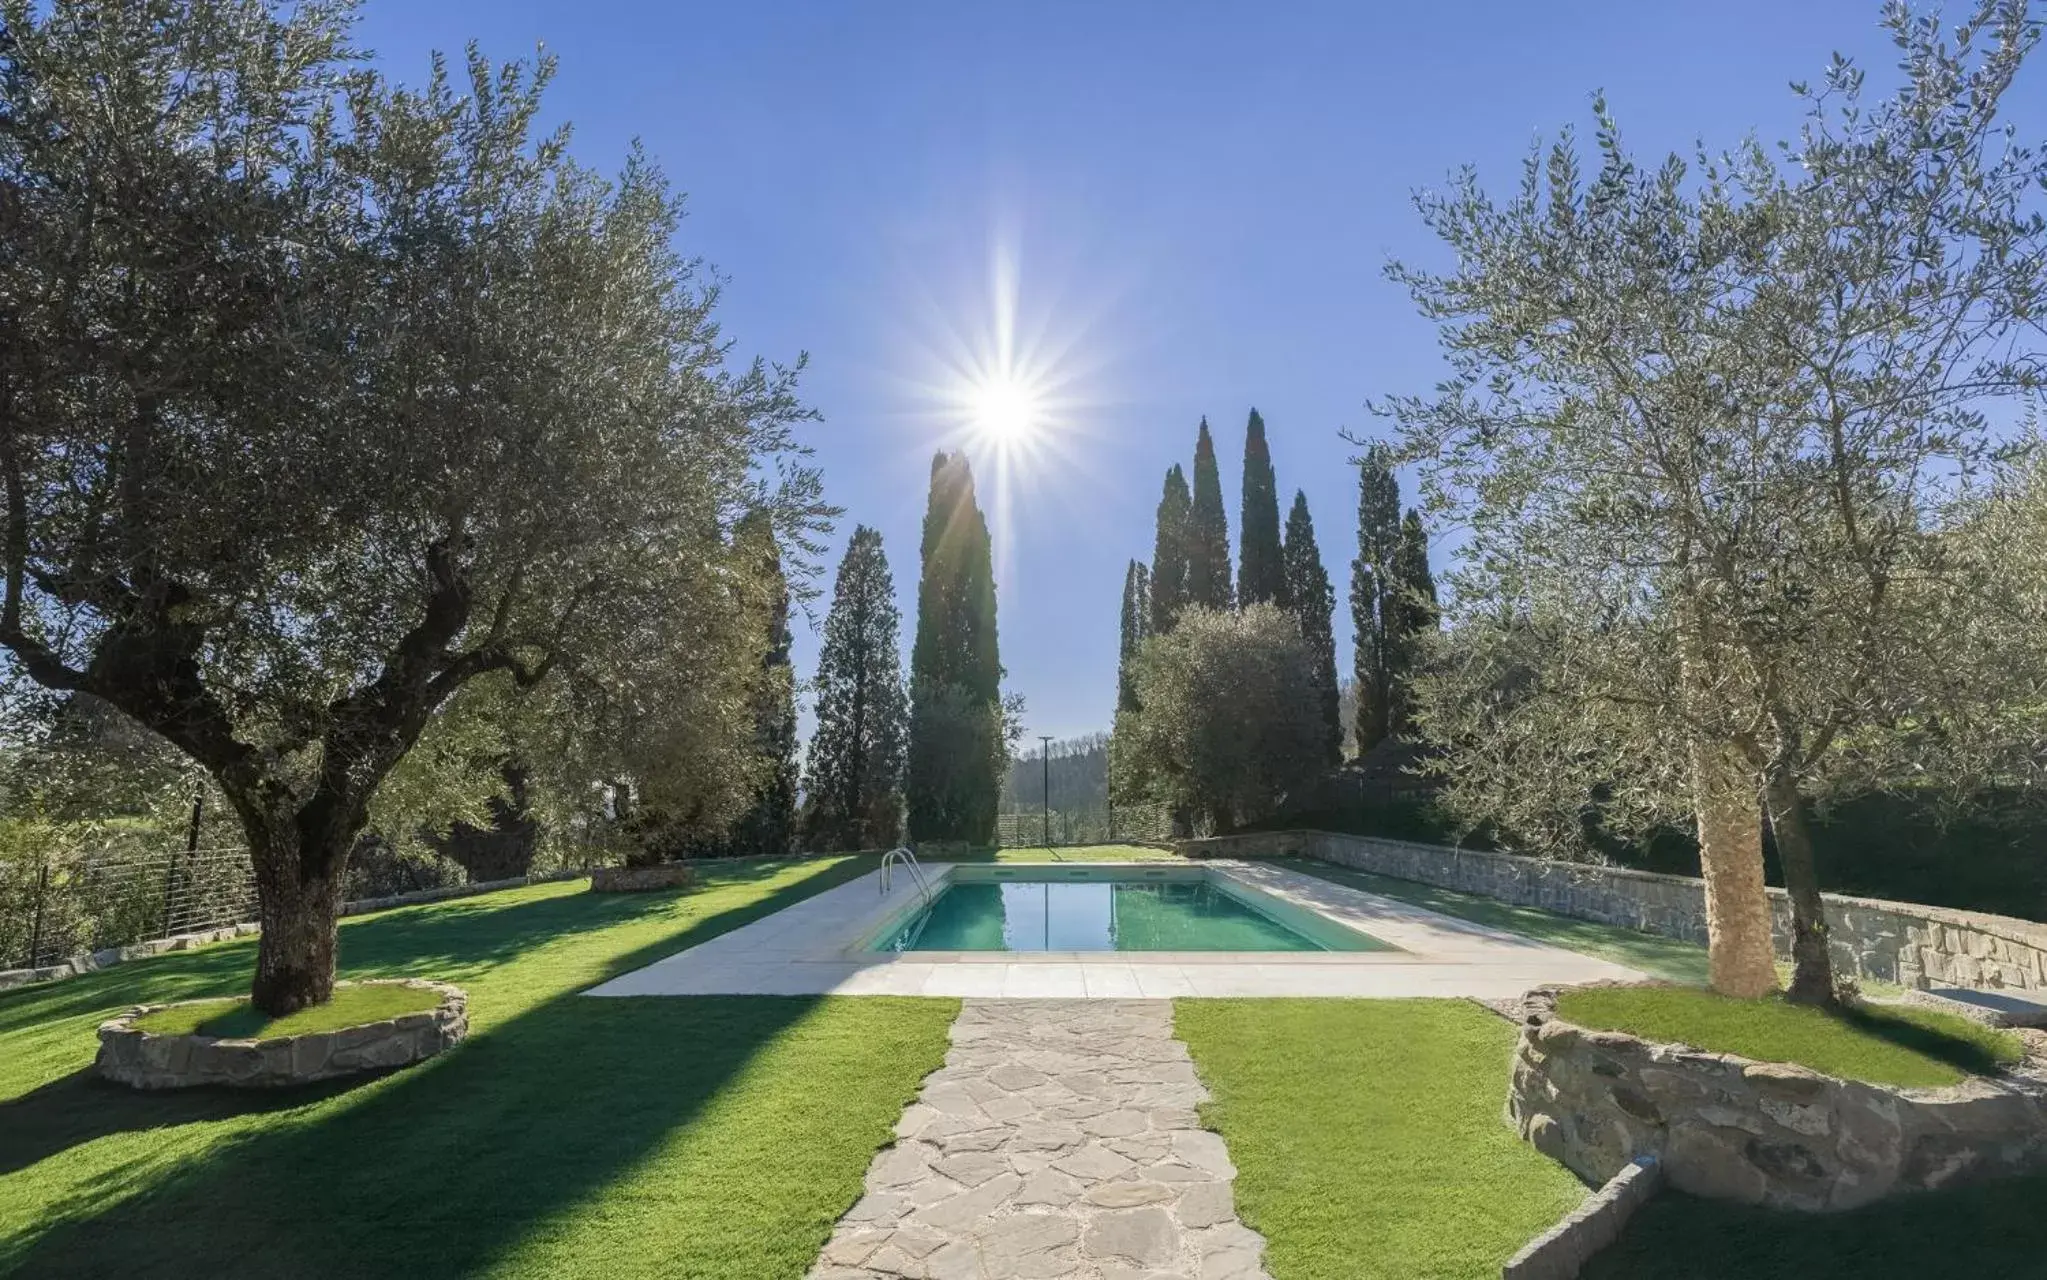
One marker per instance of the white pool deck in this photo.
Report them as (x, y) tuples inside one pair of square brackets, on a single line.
[(815, 948)]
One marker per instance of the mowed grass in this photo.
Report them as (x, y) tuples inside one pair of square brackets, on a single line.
[(1879, 1045), (1367, 1135), (352, 1006), (716, 1138), (1068, 853), (1665, 958), (1988, 1229)]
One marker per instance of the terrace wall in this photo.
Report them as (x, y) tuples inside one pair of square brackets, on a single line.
[(1913, 945)]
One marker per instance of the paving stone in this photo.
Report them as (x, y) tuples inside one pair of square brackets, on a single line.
[(957, 1214), (1130, 1194), (1029, 1246), (1060, 1141), (1145, 1236), (1204, 1204), (1116, 1124), (1049, 1186), (976, 1167)]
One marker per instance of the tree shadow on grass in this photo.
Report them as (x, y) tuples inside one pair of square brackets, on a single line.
[(446, 1166), (444, 1169), (80, 1108), (1986, 1229), (1975, 1054)]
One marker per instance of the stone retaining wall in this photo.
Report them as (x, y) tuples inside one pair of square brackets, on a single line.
[(145, 1060), (1758, 1132), (1907, 943), (1561, 1252), (106, 957)]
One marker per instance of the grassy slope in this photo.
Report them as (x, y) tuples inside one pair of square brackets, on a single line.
[(1367, 1135), (713, 1137), (1902, 1046), (351, 1006), (1664, 958)]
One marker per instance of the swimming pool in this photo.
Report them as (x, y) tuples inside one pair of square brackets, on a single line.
[(1069, 909)]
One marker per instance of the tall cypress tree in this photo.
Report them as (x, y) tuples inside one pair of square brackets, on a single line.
[(1312, 603), (957, 754), (1208, 532), (1414, 611), (1169, 554), (1136, 623), (769, 824), (1261, 570), (853, 787), (1374, 593)]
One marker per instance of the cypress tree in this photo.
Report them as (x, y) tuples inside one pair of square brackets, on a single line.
[(853, 787), (1374, 593), (1169, 554), (1136, 622), (1414, 610), (957, 754), (769, 825), (1312, 603), (1261, 569), (1208, 532)]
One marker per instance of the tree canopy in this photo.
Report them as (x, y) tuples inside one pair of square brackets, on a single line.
[(853, 786), (1706, 425), (958, 741), (322, 398)]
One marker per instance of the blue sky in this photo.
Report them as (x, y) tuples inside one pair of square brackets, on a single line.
[(1195, 201)]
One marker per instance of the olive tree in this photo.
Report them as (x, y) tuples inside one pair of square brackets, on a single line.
[(322, 398), (1229, 718), (1706, 422)]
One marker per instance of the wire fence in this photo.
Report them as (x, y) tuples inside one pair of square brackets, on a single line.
[(1060, 827), (61, 905)]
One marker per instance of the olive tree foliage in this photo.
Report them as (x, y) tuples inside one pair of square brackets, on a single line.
[(322, 399), (1707, 426), (1228, 721)]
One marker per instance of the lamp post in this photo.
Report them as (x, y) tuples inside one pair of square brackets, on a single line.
[(1045, 753)]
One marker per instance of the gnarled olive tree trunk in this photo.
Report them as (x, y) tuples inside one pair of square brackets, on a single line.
[(1739, 953), (1812, 978)]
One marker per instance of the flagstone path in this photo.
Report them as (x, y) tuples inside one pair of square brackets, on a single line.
[(1059, 1140)]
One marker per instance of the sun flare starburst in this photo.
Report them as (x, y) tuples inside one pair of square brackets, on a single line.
[(1014, 381)]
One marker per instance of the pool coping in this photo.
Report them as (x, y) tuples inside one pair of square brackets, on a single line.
[(815, 947), (942, 876)]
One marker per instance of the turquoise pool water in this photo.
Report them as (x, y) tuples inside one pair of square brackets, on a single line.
[(1113, 915)]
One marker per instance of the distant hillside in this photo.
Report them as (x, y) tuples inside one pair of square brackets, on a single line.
[(1080, 777)]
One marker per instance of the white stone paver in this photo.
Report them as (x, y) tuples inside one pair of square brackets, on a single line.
[(812, 948), (1059, 1140)]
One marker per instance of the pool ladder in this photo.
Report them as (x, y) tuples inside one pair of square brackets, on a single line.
[(909, 861)]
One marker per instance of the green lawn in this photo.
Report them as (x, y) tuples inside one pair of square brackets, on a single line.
[(1664, 958), (1993, 1230), (1896, 1045), (1070, 853), (710, 1137), (352, 1005), (1368, 1138)]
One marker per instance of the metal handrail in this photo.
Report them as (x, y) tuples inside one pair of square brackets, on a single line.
[(909, 860)]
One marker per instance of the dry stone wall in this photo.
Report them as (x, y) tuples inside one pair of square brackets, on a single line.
[(1906, 943), (1759, 1132), (145, 1060)]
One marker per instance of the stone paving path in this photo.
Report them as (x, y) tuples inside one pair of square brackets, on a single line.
[(1059, 1140)]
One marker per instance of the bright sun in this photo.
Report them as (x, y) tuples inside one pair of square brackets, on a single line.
[(1004, 409)]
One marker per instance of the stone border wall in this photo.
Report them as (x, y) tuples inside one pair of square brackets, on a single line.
[(1758, 1132), (145, 1060), (1907, 943), (107, 957), (1561, 1252)]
